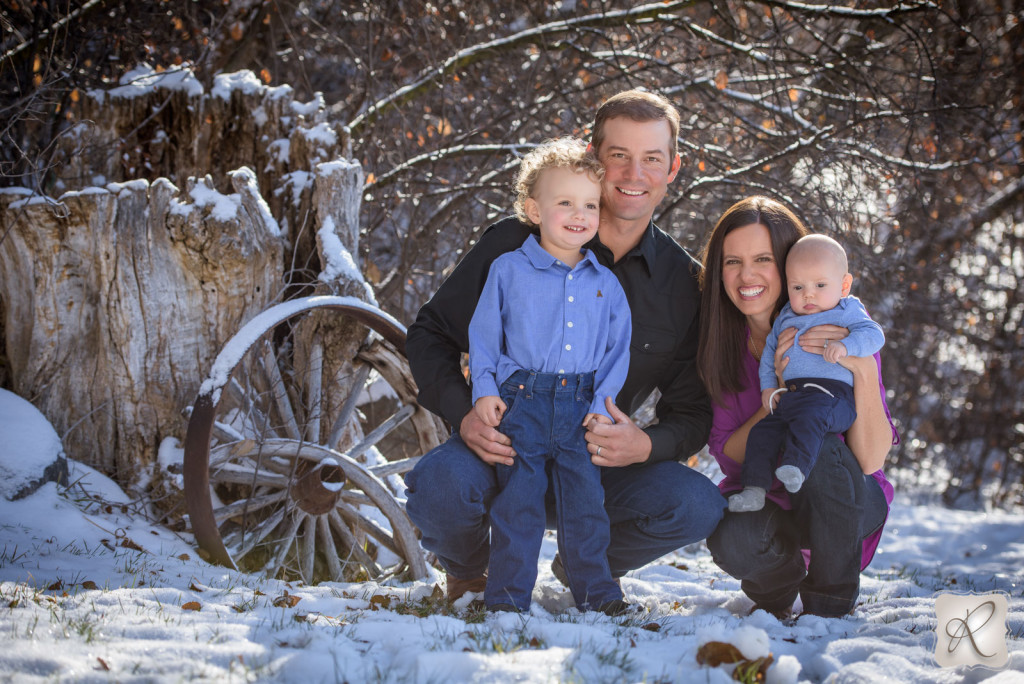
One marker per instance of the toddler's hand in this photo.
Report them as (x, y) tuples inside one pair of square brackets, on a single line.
[(769, 399), (490, 410), (599, 417)]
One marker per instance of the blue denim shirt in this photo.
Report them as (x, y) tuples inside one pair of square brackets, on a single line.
[(865, 338), (535, 313)]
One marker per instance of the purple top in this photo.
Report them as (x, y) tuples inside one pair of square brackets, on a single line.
[(735, 409)]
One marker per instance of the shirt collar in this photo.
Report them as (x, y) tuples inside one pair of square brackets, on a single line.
[(541, 258), (647, 249)]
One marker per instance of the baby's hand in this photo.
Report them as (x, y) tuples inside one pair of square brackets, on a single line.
[(490, 410), (834, 351), (599, 417), (769, 399)]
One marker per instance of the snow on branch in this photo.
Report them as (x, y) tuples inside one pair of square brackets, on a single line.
[(854, 12), (473, 54)]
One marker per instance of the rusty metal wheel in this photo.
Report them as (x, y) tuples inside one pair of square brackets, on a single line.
[(297, 442)]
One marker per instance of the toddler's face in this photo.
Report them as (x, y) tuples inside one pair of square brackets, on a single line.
[(814, 284), (566, 205)]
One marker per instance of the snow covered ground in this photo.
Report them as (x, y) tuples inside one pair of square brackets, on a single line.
[(91, 592)]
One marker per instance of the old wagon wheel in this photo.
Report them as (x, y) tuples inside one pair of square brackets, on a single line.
[(297, 441)]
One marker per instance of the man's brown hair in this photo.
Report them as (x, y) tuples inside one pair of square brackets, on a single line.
[(637, 105)]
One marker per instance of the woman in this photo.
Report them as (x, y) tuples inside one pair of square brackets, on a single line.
[(839, 513)]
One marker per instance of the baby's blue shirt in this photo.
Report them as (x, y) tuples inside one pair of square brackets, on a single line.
[(865, 338)]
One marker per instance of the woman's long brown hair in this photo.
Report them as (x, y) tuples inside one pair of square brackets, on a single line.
[(722, 326)]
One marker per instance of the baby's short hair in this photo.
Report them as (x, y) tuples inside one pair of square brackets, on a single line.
[(818, 246), (560, 153)]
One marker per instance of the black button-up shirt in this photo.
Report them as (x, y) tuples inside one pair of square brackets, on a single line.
[(660, 281)]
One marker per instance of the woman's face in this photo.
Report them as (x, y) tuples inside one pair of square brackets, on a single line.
[(749, 272)]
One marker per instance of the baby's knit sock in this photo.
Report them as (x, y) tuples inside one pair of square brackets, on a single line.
[(790, 476), (750, 499)]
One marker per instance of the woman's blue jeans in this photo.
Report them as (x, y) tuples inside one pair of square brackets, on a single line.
[(837, 507)]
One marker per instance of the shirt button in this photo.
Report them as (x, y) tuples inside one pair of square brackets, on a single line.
[(569, 324), (568, 347), (561, 370), (571, 298), (570, 276)]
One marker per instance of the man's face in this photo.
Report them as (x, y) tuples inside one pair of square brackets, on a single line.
[(638, 167)]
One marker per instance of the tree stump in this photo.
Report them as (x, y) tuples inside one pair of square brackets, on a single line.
[(117, 303)]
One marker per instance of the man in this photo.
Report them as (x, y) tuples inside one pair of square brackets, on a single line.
[(654, 503)]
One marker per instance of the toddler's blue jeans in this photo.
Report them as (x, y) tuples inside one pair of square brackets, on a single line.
[(544, 419)]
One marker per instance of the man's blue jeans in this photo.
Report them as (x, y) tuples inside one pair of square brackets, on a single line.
[(837, 507), (652, 509)]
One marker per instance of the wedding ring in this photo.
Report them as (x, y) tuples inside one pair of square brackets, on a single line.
[(826, 344), (598, 451)]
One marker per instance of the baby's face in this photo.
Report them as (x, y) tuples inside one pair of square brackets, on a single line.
[(814, 284)]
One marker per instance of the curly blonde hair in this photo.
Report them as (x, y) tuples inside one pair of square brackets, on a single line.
[(561, 153)]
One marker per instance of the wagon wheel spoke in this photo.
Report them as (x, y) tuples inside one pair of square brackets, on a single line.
[(360, 522), (349, 407), (330, 551), (279, 391), (385, 470), (381, 431), (246, 506), (242, 542), (253, 420), (288, 540), (314, 406), (239, 474), (307, 548), (354, 547)]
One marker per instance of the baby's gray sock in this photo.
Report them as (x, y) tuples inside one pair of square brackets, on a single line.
[(750, 499), (790, 476)]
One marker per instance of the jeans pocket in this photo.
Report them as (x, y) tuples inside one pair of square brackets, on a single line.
[(511, 394)]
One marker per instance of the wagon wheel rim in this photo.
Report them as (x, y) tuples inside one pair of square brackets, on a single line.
[(305, 504)]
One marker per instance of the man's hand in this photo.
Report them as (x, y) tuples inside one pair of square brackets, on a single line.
[(488, 444), (617, 444)]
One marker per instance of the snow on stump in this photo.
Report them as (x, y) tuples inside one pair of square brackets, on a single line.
[(31, 453)]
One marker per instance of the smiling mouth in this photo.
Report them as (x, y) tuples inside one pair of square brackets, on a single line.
[(751, 291), (576, 229), (631, 193)]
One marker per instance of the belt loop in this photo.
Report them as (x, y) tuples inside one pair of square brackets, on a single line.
[(529, 383)]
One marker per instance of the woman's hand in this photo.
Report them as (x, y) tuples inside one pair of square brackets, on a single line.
[(813, 339)]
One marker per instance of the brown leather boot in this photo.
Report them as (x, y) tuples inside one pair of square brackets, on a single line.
[(458, 587)]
